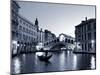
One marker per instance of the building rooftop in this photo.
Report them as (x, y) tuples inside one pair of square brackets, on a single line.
[(86, 22), (26, 20)]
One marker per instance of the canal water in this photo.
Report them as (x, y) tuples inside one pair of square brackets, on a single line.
[(60, 61)]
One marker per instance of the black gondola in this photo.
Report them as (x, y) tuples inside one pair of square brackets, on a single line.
[(44, 58)]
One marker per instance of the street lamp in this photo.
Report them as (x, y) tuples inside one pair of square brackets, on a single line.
[(14, 47), (78, 47), (92, 41)]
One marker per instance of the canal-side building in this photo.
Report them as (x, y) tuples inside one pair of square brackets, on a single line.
[(49, 36), (85, 35), (14, 20), (27, 32), (23, 32), (41, 35), (14, 25)]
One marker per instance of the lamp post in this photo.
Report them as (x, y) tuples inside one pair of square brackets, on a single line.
[(14, 47)]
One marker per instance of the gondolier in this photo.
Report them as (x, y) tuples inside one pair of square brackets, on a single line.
[(43, 56)]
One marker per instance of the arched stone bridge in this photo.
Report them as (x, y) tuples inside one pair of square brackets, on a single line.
[(62, 40)]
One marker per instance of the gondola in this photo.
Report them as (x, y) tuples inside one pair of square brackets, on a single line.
[(43, 55), (44, 58)]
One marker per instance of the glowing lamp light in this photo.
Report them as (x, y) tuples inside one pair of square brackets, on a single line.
[(14, 42), (92, 41), (17, 65), (92, 62)]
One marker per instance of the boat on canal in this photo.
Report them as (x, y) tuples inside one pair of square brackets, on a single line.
[(43, 55)]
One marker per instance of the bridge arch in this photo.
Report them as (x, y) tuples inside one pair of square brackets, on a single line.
[(58, 45), (62, 37), (64, 41)]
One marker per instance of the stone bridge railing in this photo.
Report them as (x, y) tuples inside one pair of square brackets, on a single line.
[(51, 45), (67, 45)]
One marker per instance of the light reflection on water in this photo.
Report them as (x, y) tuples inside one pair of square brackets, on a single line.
[(65, 60), (74, 62), (17, 65), (62, 62), (36, 62), (93, 62)]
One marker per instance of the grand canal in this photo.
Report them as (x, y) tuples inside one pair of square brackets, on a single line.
[(60, 61)]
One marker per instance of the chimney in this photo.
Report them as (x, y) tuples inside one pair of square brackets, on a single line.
[(85, 18), (41, 29)]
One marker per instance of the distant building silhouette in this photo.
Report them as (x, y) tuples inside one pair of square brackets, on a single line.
[(49, 36)]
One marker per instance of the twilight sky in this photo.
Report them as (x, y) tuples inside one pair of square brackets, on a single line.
[(58, 18)]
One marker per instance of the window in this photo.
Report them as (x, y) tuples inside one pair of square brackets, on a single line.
[(94, 35), (20, 36), (23, 37), (94, 25), (85, 36), (66, 40), (79, 39), (20, 27), (82, 38), (85, 47), (82, 47), (78, 29), (84, 28), (79, 36), (89, 36), (89, 46), (20, 21), (89, 27), (23, 22), (23, 29)]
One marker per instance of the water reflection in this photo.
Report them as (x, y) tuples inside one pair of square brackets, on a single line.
[(17, 65), (93, 62), (60, 61), (36, 59), (74, 62)]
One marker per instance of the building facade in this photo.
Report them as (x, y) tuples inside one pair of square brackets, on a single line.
[(25, 34), (41, 35), (85, 34), (27, 31), (49, 37), (14, 19), (14, 26)]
